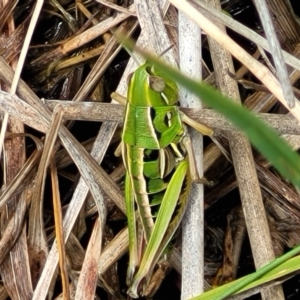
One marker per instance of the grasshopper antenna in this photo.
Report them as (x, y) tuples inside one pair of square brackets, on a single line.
[(132, 55)]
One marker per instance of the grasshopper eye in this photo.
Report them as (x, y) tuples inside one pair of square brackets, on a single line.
[(156, 83), (129, 77)]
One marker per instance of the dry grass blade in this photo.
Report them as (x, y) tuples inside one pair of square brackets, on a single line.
[(82, 38), (251, 198), (23, 53), (91, 111), (193, 222), (268, 181), (101, 112), (3, 292), (36, 232), (81, 58), (14, 225), (6, 12), (75, 149), (86, 286), (19, 181), (279, 191), (276, 52), (116, 7), (116, 249), (14, 43), (76, 204), (37, 240), (16, 107), (82, 160), (232, 247), (151, 22), (19, 109), (260, 71), (112, 48), (86, 12), (11, 219), (246, 32), (87, 111), (62, 158), (11, 233), (59, 221)]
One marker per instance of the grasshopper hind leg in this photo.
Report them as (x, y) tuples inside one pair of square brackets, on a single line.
[(205, 130), (186, 141), (132, 231)]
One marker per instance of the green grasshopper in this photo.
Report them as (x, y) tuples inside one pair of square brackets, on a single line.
[(160, 169)]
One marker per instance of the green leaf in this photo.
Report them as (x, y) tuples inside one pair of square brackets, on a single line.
[(281, 266)]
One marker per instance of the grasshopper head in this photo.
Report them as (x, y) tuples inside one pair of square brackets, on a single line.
[(147, 87)]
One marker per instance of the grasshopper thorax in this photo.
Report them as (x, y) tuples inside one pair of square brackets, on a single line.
[(152, 119), (147, 87)]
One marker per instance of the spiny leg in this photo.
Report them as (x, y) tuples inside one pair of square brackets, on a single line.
[(205, 130), (186, 141)]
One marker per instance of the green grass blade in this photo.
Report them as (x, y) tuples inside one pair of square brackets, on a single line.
[(281, 266)]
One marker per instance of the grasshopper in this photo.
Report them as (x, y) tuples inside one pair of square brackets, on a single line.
[(160, 169)]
